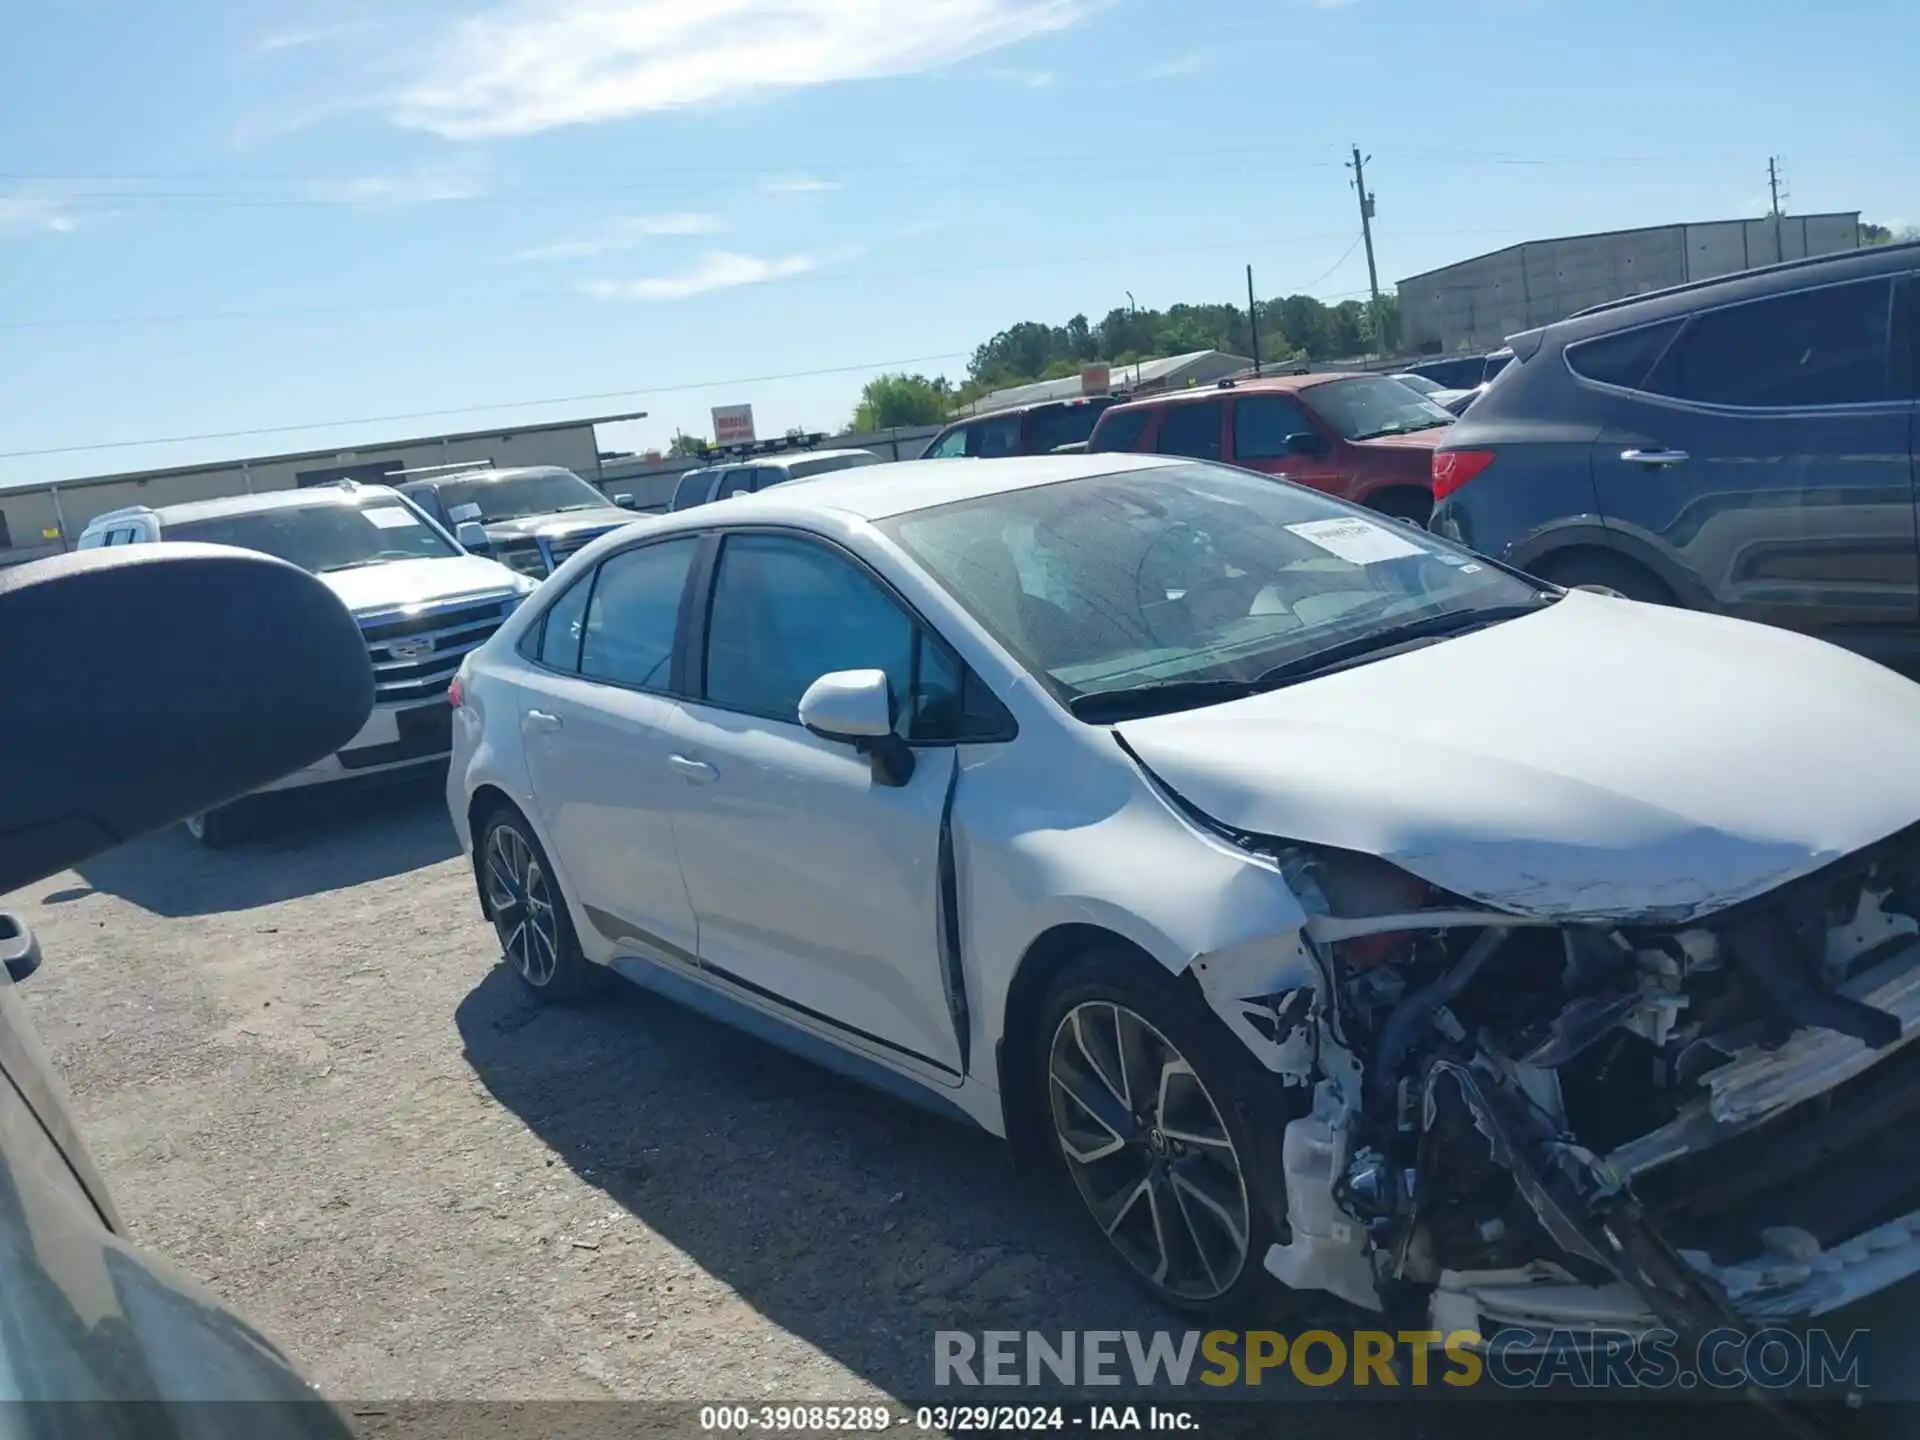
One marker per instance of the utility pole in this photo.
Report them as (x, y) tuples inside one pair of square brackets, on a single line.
[(1366, 234), (1253, 320), (1773, 189), (1366, 222)]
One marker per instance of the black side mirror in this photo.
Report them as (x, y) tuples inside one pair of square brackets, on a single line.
[(1303, 442), (18, 948), (141, 684)]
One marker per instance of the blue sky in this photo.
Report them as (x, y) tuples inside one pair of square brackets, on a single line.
[(220, 217)]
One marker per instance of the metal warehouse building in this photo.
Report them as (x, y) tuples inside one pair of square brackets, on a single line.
[(37, 520), (1477, 303)]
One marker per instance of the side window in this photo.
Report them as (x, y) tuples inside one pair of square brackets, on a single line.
[(950, 446), (769, 475), (1120, 432), (1817, 347), (1622, 359), (562, 626), (635, 614), (1262, 423), (691, 490), (993, 439), (787, 611), (735, 482), (1192, 430)]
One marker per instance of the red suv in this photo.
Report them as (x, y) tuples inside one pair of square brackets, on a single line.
[(1366, 438)]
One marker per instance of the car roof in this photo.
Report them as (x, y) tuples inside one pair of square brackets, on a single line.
[(794, 457), (484, 473), (262, 501), (1266, 384), (1031, 405), (876, 492)]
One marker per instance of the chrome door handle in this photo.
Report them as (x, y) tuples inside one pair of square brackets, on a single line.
[(541, 720), (695, 772), (1653, 457)]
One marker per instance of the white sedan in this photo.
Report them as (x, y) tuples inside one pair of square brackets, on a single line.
[(1328, 903)]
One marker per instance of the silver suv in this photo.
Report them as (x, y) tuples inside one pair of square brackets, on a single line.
[(421, 602)]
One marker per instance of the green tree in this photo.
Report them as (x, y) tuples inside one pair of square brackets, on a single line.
[(891, 400), (1884, 235), (686, 445)]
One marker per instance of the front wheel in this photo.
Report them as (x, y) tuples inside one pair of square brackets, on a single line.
[(1148, 1112), (530, 915), (1605, 574)]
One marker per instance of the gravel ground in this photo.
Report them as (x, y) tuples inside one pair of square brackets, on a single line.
[(310, 1083)]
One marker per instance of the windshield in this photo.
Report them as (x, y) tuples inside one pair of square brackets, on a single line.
[(545, 492), (326, 537), (1420, 383), (1191, 573), (1369, 406), (1058, 425)]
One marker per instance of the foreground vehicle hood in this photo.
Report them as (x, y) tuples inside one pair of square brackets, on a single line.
[(1601, 759), (418, 582)]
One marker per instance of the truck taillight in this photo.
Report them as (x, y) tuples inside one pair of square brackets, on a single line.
[(1454, 468)]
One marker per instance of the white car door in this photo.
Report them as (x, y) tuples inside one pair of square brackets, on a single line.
[(815, 885), (593, 725)]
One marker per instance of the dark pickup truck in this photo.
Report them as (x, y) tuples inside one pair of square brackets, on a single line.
[(534, 516)]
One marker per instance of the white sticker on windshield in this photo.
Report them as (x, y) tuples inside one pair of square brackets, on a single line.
[(468, 511), (1358, 542), (390, 517)]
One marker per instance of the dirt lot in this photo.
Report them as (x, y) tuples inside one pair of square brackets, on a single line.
[(309, 1082)]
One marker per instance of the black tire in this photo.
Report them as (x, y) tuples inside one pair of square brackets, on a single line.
[(1607, 574), (529, 913), (1225, 1081), (1413, 506), (221, 827)]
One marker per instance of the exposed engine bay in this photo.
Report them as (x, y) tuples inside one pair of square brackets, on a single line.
[(1519, 1119)]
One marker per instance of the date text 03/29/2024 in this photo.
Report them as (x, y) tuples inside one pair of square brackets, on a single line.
[(944, 1419)]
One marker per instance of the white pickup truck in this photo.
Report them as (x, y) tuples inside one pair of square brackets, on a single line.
[(421, 601)]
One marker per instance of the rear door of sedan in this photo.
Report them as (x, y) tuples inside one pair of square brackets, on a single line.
[(816, 887)]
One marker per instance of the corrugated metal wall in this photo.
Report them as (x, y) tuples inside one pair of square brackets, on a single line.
[(1476, 304)]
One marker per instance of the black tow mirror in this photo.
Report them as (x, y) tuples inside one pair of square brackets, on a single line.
[(18, 949), (143, 684)]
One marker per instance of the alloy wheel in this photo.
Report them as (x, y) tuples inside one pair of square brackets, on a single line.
[(521, 900), (1148, 1151)]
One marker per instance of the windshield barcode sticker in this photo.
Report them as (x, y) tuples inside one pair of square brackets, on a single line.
[(1358, 542), (390, 517)]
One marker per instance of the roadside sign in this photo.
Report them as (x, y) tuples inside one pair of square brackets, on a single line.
[(1096, 379), (733, 424)]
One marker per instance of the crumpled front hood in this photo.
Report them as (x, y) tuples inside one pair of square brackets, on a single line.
[(416, 582), (1601, 759)]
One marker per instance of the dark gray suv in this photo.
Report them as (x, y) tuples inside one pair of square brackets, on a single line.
[(1745, 445)]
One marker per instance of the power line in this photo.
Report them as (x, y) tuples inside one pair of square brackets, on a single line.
[(1335, 265), (479, 409)]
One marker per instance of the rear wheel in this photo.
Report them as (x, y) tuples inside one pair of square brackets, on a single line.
[(220, 827), (1148, 1110), (530, 915), (1606, 574)]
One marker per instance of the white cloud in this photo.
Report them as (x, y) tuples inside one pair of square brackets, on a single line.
[(303, 38), (716, 270), (797, 185), (1032, 79), (626, 233), (531, 65), (423, 185), (35, 215), (1196, 60)]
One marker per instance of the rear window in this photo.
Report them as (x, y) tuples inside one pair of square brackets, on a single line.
[(1121, 431), (1057, 425), (1622, 359)]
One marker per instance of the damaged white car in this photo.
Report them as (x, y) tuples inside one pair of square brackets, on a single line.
[(1330, 903)]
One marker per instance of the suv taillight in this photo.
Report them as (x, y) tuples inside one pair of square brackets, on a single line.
[(1454, 468), (456, 693)]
